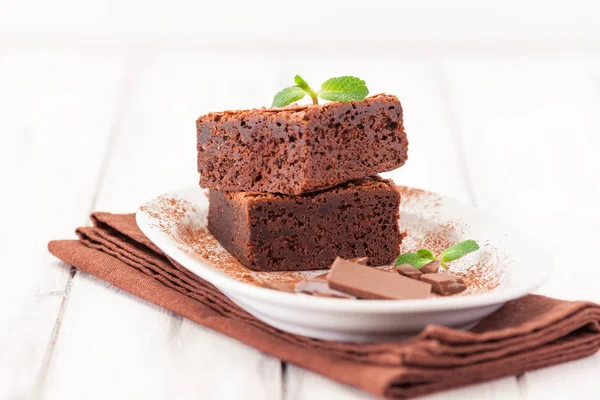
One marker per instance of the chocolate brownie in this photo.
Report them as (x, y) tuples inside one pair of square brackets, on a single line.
[(276, 232), (300, 149)]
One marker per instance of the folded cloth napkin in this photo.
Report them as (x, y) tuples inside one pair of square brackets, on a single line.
[(525, 334)]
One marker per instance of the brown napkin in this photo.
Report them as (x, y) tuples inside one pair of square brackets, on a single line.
[(525, 334)]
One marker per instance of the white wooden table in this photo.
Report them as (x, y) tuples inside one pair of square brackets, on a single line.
[(515, 135)]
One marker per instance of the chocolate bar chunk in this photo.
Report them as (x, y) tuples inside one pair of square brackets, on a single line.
[(318, 286), (275, 232), (409, 271), (300, 149), (445, 284), (430, 268), (371, 283)]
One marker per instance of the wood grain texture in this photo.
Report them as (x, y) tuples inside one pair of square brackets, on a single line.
[(144, 351), (57, 113)]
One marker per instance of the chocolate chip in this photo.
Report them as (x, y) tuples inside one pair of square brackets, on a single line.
[(430, 268), (318, 286), (445, 284), (409, 271)]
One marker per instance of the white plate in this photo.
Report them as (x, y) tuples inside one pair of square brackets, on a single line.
[(508, 266)]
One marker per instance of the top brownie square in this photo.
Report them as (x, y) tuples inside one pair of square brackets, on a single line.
[(300, 149)]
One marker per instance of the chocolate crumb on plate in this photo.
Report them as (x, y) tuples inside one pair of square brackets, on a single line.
[(318, 286), (430, 268), (445, 284), (409, 271)]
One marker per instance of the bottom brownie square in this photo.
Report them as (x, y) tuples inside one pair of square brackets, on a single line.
[(275, 232)]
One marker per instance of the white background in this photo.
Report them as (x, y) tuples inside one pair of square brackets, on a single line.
[(98, 102)]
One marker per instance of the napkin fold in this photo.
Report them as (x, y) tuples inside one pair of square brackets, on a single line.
[(525, 334)]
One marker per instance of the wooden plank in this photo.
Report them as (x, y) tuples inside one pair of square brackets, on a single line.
[(575, 378), (505, 388), (434, 163), (303, 384), (144, 351), (530, 132), (57, 113)]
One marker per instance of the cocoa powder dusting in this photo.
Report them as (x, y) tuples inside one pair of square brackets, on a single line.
[(186, 224)]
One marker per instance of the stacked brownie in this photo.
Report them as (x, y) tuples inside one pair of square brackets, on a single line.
[(292, 188)]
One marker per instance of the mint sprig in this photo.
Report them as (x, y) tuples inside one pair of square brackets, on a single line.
[(343, 88), (425, 256)]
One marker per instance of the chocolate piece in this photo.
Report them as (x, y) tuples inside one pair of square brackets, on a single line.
[(430, 268), (274, 232), (300, 149), (281, 286), (409, 271), (445, 284), (360, 260), (371, 283), (318, 286)]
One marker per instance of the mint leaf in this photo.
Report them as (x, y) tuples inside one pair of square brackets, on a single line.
[(458, 250), (301, 83), (344, 88), (413, 259), (288, 96), (424, 253)]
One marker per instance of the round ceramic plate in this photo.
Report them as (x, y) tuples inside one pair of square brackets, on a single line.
[(507, 266)]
